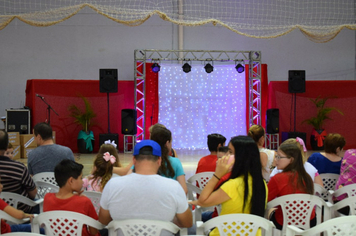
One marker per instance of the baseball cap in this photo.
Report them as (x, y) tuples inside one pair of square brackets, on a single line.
[(156, 149)]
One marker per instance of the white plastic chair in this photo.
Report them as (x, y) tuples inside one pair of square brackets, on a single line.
[(347, 202), (11, 220), (58, 223), (349, 190), (133, 227), (297, 209), (46, 177), (201, 178), (22, 234), (237, 224), (45, 187), (95, 199), (329, 182), (13, 199), (319, 190), (341, 226)]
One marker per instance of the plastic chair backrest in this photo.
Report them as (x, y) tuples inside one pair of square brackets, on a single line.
[(45, 177), (22, 234), (319, 190), (12, 199), (95, 199), (329, 181), (349, 190), (238, 224), (63, 223), (45, 187), (350, 202), (340, 226), (133, 227), (10, 220), (201, 179), (297, 209)]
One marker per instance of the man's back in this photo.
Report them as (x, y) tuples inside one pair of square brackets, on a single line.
[(44, 158), (207, 163), (144, 197)]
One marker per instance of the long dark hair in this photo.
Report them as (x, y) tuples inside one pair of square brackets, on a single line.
[(296, 167), (161, 135), (247, 161)]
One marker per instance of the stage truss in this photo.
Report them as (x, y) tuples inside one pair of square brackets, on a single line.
[(251, 58)]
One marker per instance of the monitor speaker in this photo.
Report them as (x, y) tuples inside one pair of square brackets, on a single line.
[(108, 80), (272, 121), (296, 81), (128, 121), (18, 120)]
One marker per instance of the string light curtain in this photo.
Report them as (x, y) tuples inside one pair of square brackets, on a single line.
[(193, 105), (319, 20)]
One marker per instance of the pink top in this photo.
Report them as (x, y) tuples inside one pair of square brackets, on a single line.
[(90, 185), (347, 171)]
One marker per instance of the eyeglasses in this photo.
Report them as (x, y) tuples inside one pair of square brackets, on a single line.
[(279, 157)]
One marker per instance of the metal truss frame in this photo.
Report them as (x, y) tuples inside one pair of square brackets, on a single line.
[(143, 56)]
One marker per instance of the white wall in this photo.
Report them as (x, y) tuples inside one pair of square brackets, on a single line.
[(80, 46)]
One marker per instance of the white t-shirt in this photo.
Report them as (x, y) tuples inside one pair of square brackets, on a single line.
[(309, 168), (136, 196), (267, 169)]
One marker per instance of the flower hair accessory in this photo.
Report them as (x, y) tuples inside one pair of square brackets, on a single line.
[(111, 143), (108, 157), (301, 143)]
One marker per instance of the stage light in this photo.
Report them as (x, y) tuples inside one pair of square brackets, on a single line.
[(208, 68), (156, 67), (240, 68), (186, 67)]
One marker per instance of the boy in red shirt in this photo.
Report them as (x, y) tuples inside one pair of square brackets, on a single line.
[(68, 176)]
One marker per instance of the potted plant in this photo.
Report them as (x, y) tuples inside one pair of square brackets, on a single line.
[(318, 134), (85, 140)]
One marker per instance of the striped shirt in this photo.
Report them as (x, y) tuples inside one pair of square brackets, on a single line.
[(16, 178)]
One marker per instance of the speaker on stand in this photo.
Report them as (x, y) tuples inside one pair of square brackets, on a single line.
[(108, 84), (129, 128), (272, 121)]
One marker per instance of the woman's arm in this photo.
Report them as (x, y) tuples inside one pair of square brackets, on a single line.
[(182, 182), (18, 214), (122, 170), (208, 196)]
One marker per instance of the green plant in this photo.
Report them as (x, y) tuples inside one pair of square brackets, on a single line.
[(322, 113), (83, 117)]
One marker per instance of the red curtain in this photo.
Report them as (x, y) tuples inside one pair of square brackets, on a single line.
[(62, 93), (344, 91)]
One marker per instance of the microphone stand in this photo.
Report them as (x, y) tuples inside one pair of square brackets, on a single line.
[(49, 108)]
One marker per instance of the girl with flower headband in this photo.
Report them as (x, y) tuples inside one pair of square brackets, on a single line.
[(309, 168), (105, 162)]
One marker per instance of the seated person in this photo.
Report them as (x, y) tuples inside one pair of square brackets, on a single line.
[(145, 194), (330, 160), (68, 176), (15, 177)]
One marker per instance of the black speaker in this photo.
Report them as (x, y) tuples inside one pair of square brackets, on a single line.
[(111, 137), (296, 81), (108, 80), (18, 120), (128, 121), (272, 121)]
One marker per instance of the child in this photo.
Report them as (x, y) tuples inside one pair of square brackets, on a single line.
[(102, 171), (9, 151), (68, 176)]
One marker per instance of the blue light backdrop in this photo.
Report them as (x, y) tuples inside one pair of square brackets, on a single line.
[(193, 105)]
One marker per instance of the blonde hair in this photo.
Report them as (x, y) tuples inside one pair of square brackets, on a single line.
[(294, 141), (103, 169), (152, 127), (256, 132)]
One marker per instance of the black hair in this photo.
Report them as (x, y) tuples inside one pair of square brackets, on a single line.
[(161, 135), (66, 169), (44, 130), (4, 140), (223, 149), (214, 140), (248, 162)]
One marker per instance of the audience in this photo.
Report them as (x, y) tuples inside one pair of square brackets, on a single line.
[(257, 133), (45, 157), (171, 167), (68, 176), (330, 160), (245, 191), (208, 163), (309, 168), (172, 152), (293, 179), (15, 176), (144, 194)]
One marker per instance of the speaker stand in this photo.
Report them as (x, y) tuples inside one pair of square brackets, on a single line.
[(49, 108)]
